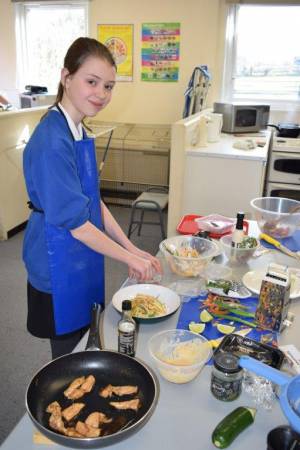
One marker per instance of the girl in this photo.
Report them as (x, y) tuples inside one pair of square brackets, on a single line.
[(70, 229)]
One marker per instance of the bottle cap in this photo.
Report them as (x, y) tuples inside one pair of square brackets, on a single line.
[(239, 220), (226, 362), (126, 305)]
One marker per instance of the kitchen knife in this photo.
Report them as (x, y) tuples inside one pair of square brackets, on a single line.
[(279, 246)]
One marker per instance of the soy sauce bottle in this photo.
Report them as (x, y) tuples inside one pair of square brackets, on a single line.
[(126, 330)]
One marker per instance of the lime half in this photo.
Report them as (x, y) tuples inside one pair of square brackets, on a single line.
[(205, 316), (196, 327), (225, 329)]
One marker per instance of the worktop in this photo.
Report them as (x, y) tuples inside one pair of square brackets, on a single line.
[(186, 414)]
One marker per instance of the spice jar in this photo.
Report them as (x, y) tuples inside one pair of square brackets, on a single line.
[(226, 377)]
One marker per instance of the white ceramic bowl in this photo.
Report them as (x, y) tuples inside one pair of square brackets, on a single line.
[(188, 266), (274, 215), (179, 355), (240, 255)]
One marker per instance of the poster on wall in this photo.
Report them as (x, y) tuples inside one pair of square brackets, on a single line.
[(160, 51), (119, 40)]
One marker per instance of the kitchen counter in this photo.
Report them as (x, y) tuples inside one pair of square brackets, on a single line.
[(224, 148), (186, 414)]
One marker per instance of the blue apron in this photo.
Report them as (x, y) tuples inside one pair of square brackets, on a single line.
[(76, 271)]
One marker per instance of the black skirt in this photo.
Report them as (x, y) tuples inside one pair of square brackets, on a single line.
[(40, 315)]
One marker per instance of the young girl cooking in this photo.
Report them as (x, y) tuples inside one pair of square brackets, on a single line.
[(70, 229)]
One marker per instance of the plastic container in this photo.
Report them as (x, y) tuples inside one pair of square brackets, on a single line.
[(275, 216), (215, 223), (179, 355), (174, 248), (242, 345), (241, 255)]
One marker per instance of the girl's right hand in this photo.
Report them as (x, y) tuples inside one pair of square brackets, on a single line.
[(141, 268)]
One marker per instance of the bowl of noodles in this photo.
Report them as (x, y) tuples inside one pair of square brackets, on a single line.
[(149, 301)]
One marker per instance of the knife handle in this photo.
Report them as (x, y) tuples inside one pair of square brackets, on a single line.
[(270, 240)]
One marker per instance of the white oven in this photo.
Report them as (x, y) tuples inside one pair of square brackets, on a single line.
[(283, 190), (284, 167)]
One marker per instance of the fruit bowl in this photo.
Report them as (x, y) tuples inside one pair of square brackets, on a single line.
[(276, 216), (188, 256), (179, 355)]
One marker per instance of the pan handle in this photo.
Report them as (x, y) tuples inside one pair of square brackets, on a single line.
[(93, 342)]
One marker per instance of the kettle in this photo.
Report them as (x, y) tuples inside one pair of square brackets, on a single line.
[(214, 127)]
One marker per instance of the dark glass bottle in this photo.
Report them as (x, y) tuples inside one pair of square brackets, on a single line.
[(127, 330)]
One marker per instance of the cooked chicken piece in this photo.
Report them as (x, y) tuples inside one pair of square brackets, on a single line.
[(56, 423), (95, 419), (79, 387), (88, 384), (72, 411), (130, 404), (54, 408), (87, 431), (73, 386), (109, 390), (72, 432)]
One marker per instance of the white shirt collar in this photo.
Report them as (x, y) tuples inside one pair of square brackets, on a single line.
[(77, 132)]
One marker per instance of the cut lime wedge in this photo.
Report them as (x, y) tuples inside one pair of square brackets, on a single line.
[(196, 327), (225, 329), (205, 316)]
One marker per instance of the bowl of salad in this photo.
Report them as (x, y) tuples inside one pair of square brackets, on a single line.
[(188, 256), (241, 254)]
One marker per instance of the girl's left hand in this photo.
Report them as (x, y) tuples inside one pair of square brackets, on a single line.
[(154, 261)]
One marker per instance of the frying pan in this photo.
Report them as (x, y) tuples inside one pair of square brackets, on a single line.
[(287, 130), (108, 367), (289, 388)]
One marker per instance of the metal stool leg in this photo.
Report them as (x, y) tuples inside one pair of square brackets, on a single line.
[(141, 221), (161, 223), (131, 221)]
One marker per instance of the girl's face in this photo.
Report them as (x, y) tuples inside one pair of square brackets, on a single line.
[(89, 90)]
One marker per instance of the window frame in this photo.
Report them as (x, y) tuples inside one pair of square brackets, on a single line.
[(230, 56), (22, 55)]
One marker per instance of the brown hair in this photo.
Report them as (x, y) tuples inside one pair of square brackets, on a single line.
[(76, 55)]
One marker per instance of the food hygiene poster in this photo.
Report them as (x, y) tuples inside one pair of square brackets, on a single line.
[(160, 51), (119, 40)]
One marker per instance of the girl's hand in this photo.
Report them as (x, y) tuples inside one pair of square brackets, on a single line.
[(140, 268), (154, 261)]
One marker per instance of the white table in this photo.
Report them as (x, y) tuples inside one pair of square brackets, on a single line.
[(186, 414)]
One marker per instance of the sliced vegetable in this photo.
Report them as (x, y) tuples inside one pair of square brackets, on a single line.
[(235, 319), (232, 425), (225, 329), (205, 316), (196, 327)]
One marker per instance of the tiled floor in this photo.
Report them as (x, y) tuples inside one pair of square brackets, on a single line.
[(21, 355)]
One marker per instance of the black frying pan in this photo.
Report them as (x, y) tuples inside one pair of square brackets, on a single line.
[(108, 367)]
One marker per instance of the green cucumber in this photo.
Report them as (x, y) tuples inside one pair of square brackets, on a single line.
[(232, 425)]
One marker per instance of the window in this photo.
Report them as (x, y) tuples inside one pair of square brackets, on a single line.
[(44, 32), (262, 61)]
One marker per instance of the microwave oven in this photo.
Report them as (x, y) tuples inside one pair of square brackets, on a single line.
[(243, 117)]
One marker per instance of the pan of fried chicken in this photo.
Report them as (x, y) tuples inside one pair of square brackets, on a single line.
[(92, 398)]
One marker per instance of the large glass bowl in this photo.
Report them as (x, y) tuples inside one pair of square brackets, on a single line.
[(275, 216), (179, 355), (175, 248)]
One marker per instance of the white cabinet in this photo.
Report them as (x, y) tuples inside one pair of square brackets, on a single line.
[(217, 178)]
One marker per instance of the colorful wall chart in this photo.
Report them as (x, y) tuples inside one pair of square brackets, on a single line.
[(160, 51), (119, 40)]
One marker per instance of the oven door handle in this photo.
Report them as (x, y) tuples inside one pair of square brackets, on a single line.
[(282, 155)]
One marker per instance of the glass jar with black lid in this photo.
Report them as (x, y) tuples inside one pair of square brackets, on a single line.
[(226, 377)]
